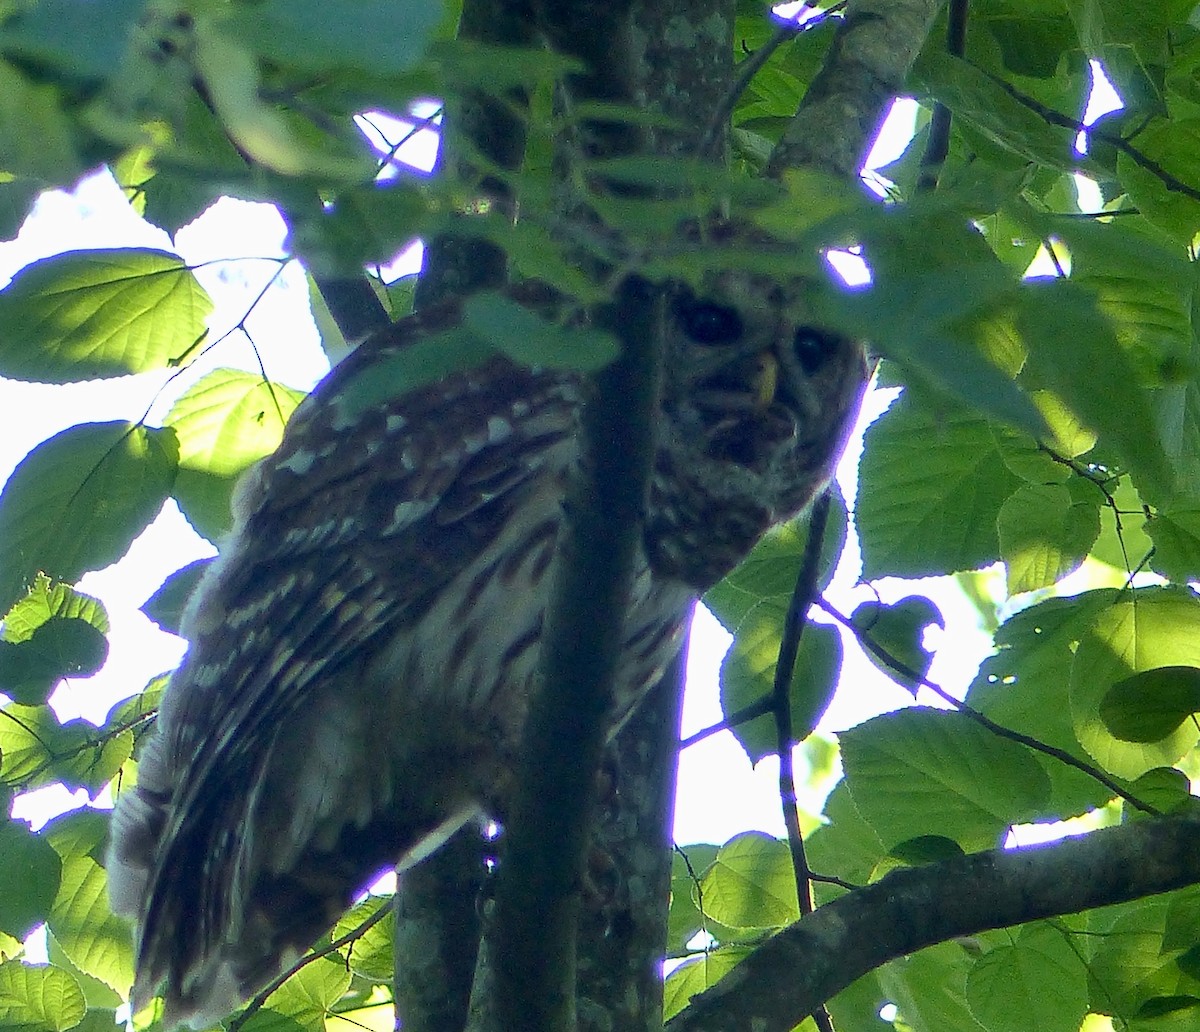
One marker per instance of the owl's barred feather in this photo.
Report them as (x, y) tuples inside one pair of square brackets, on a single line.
[(363, 652)]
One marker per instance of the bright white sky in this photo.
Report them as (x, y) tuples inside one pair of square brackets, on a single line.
[(720, 794)]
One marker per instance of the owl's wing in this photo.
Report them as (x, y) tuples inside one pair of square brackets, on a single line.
[(346, 536)]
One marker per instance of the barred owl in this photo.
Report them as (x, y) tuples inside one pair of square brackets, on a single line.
[(363, 651)]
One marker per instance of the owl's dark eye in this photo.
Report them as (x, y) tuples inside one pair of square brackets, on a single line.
[(706, 322), (813, 348)]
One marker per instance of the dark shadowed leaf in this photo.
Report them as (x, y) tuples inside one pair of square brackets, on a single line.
[(527, 338), (898, 629), (165, 607), (1148, 706)]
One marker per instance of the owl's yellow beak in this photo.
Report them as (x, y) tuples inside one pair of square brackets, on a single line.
[(764, 381)]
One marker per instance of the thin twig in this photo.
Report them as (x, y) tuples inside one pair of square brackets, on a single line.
[(355, 933), (781, 705), (937, 147)]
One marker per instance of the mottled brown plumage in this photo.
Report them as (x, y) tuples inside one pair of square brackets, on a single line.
[(363, 651)]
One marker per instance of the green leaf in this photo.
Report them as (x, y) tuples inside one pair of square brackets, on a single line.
[(68, 35), (1144, 630), (87, 314), (96, 941), (372, 954), (1074, 353), (308, 996), (1150, 705), (165, 607), (898, 630), (748, 675), (225, 422), (751, 884), (77, 501), (696, 975), (769, 572), (1025, 686), (374, 36), (46, 600), (36, 139), (291, 147), (926, 849), (35, 749), (1038, 982), (527, 338), (32, 871), (1174, 146), (38, 999), (1176, 536), (920, 771), (932, 484), (1044, 535), (29, 670)]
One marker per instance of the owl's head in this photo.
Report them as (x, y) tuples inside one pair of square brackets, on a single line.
[(757, 404)]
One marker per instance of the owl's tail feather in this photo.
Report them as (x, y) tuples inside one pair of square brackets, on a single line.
[(205, 944)]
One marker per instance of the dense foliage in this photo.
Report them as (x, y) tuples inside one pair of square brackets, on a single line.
[(1046, 422)]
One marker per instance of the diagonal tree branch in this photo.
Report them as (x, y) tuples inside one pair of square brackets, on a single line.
[(864, 71), (815, 958)]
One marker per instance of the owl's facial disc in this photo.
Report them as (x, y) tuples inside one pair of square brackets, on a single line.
[(749, 398)]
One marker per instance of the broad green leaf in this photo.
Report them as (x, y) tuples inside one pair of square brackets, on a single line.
[(931, 485), (927, 989), (165, 607), (1144, 286), (1074, 353), (920, 771), (231, 74), (87, 314), (982, 103), (309, 994), (1165, 788), (53, 632), (751, 884), (77, 501), (1038, 982), (374, 36), (1144, 630), (768, 574), (748, 675), (1149, 706), (32, 870), (68, 35), (35, 749), (1174, 146), (529, 339), (1044, 535), (1176, 536), (372, 954), (1132, 962), (845, 844), (225, 422), (36, 136), (698, 974), (96, 941), (60, 647), (898, 630), (926, 849), (1025, 687), (47, 599), (38, 998), (100, 998), (16, 198)]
